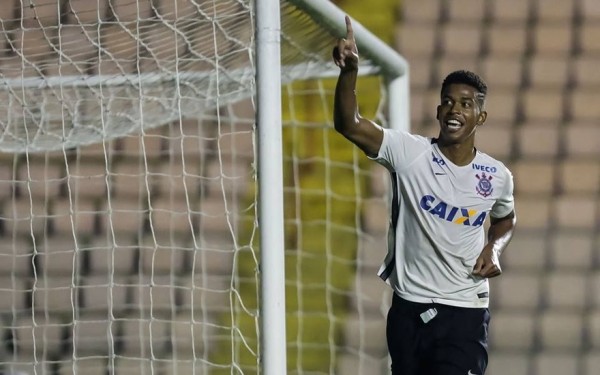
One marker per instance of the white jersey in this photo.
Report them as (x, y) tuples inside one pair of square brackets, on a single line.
[(437, 225)]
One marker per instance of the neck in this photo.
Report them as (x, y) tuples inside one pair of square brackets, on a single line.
[(460, 154)]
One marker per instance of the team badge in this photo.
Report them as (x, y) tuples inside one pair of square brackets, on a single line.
[(484, 186)]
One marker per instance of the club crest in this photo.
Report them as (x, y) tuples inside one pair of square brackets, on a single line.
[(484, 186)]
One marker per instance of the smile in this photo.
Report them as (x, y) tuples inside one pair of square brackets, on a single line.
[(453, 124)]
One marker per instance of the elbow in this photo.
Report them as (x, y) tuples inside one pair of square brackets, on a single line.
[(513, 221), (505, 225), (345, 126), (339, 128), (338, 124)]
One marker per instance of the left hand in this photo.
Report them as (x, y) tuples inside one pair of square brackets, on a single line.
[(487, 264), (345, 53)]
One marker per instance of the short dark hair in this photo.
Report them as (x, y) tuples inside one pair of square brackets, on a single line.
[(468, 78)]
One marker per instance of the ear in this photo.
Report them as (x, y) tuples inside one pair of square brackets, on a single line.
[(481, 118), (437, 113)]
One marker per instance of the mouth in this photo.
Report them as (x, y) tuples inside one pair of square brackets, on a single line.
[(453, 124)]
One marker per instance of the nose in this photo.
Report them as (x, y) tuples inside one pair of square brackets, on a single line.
[(455, 108)]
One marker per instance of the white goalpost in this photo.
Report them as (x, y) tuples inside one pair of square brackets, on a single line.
[(270, 198), (173, 199)]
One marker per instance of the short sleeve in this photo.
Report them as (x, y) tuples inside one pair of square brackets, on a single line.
[(399, 148), (505, 203)]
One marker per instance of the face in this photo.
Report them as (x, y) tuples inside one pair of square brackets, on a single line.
[(459, 114)]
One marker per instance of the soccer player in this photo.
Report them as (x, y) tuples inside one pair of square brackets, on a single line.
[(443, 190)]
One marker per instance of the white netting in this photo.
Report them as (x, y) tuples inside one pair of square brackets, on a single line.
[(76, 72), (127, 208)]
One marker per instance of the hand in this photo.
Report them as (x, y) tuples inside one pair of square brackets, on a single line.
[(345, 54), (487, 264)]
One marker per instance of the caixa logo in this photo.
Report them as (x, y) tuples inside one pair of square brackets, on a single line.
[(484, 168), (456, 215)]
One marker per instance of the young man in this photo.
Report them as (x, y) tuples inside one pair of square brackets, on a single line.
[(438, 260)]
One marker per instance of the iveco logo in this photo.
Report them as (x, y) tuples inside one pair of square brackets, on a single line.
[(484, 168)]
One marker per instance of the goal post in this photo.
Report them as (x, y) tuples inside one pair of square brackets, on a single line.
[(173, 199), (270, 186), (386, 62)]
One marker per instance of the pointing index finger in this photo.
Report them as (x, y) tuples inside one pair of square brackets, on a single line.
[(349, 30)]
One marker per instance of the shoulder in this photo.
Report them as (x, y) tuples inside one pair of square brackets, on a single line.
[(493, 174), (395, 135), (486, 163)]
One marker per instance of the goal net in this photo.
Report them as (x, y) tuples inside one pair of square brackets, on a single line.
[(128, 218)]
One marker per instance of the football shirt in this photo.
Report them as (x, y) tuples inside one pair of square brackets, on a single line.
[(438, 211)]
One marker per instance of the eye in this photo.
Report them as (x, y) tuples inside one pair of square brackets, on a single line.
[(467, 104)]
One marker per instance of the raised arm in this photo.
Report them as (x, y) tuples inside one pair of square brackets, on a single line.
[(364, 133)]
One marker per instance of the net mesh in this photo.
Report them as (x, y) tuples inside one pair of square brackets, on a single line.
[(81, 71), (127, 194)]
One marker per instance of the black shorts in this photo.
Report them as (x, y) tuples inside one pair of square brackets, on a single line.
[(454, 342)]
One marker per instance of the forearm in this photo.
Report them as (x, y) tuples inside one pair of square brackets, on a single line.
[(500, 233), (345, 110), (364, 133)]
